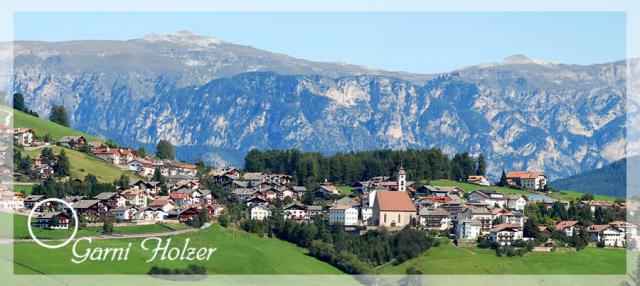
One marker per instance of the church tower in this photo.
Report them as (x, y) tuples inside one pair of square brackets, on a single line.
[(402, 180)]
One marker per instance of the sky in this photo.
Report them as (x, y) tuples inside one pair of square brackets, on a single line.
[(419, 42)]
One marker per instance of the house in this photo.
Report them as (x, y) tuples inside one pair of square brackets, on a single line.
[(214, 210), (136, 197), (95, 145), (225, 175), (479, 214), (478, 180), (326, 190), (608, 235), (32, 200), (242, 194), (144, 167), (72, 141), (511, 217), (163, 203), (343, 215), (548, 201), (92, 210), (185, 213), (154, 214), (439, 191), (393, 209), (180, 198), (24, 136), (110, 155), (568, 227), (347, 201), (315, 211), (259, 212), (11, 200), (152, 188), (489, 197), (46, 220), (112, 199), (516, 202), (125, 213), (295, 212), (435, 218), (505, 234), (468, 229), (45, 172), (257, 201), (629, 229), (527, 179)]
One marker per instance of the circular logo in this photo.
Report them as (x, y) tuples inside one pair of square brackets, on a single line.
[(75, 228)]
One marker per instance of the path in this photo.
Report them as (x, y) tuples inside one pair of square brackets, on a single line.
[(117, 236)]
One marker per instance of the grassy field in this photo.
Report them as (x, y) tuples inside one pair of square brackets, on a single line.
[(562, 195), (26, 188), (20, 229), (42, 126), (448, 259), (83, 164), (345, 190), (237, 253)]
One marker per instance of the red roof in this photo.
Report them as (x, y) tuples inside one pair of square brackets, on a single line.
[(178, 196), (566, 223), (394, 201)]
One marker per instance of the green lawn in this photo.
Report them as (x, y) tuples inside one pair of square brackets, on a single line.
[(20, 229), (42, 126), (27, 189), (561, 195), (345, 190), (448, 259), (83, 164), (237, 252)]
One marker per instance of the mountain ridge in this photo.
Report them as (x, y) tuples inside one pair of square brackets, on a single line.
[(217, 105)]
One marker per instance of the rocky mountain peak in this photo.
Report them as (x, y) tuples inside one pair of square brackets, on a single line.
[(183, 37)]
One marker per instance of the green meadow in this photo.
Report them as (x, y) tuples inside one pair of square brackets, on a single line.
[(449, 259), (42, 126), (83, 164), (237, 252)]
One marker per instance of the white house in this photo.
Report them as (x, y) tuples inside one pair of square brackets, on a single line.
[(11, 200), (295, 212), (516, 202), (505, 234), (344, 215), (479, 214), (125, 213), (153, 214), (569, 227), (609, 235), (478, 180), (468, 229), (23, 136), (491, 198), (527, 179), (260, 212)]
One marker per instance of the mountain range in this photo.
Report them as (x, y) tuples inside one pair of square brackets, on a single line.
[(217, 100)]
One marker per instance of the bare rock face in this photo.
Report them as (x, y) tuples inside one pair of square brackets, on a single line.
[(216, 100)]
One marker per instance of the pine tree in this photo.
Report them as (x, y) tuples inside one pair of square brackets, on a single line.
[(481, 167), (63, 166), (59, 115), (503, 179), (165, 150), (18, 102)]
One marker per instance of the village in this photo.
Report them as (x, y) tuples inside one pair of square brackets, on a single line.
[(394, 203)]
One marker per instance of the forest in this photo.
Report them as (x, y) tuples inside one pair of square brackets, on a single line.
[(344, 168)]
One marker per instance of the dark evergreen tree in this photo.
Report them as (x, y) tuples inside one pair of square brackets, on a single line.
[(62, 167), (165, 150), (503, 179), (59, 115), (18, 102), (481, 167)]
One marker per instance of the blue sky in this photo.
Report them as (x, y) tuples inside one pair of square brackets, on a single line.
[(421, 42)]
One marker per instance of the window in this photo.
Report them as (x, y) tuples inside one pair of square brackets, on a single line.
[(385, 218), (399, 218)]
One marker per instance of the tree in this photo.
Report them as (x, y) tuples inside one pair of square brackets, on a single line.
[(123, 181), (503, 179), (141, 152), (59, 115), (63, 166), (54, 222), (587, 197), (481, 166), (107, 226), (18, 102), (165, 150)]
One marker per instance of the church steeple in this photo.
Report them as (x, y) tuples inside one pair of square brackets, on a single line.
[(402, 180)]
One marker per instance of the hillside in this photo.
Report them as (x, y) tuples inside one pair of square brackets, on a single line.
[(610, 180), (237, 252), (216, 100), (449, 259), (81, 164), (42, 126)]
